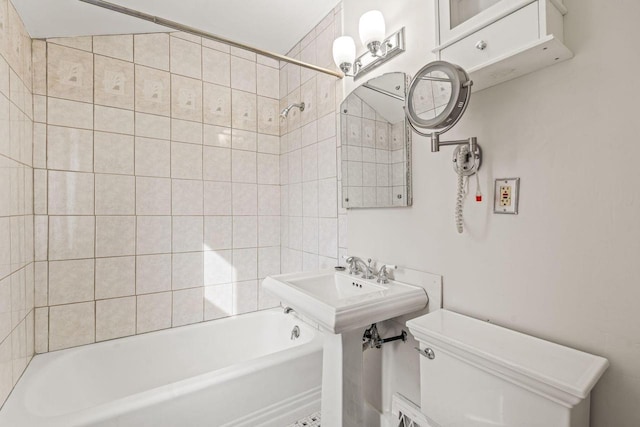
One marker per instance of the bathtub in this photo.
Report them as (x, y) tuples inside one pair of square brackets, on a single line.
[(239, 371)]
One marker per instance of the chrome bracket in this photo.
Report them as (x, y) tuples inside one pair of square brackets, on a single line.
[(393, 46)]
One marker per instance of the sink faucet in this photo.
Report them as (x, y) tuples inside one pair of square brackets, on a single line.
[(357, 265), (383, 273)]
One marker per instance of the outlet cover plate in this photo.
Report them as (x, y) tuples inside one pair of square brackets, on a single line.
[(513, 190)]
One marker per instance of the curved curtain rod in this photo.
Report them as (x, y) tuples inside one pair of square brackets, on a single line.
[(191, 30)]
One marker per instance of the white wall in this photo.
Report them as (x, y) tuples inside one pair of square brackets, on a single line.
[(566, 268)]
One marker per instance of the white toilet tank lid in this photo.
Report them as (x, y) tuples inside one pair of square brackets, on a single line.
[(561, 373)]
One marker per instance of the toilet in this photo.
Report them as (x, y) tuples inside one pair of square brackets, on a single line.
[(476, 374)]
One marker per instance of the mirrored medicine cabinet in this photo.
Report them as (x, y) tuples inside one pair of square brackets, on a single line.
[(376, 144)]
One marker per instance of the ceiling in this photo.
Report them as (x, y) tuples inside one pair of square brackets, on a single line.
[(274, 25)]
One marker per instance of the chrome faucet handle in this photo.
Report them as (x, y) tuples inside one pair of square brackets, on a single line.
[(383, 273), (352, 261)]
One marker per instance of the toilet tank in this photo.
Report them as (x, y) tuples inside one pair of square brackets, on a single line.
[(476, 374)]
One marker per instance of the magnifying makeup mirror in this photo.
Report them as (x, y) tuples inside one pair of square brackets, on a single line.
[(438, 97)]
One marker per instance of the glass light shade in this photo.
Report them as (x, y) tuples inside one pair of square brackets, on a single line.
[(344, 50), (371, 27)]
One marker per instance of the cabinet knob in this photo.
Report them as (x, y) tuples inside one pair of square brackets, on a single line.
[(481, 45)]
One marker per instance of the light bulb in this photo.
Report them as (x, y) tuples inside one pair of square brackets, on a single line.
[(372, 28), (344, 51)]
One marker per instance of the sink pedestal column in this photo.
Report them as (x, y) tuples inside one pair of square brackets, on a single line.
[(342, 397)]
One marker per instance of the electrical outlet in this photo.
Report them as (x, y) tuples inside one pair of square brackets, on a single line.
[(506, 196)]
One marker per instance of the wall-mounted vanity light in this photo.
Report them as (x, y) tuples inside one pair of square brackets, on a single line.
[(372, 35)]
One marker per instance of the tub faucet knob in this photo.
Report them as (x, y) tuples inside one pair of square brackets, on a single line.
[(288, 310)]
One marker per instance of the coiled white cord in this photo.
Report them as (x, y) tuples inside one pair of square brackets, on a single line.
[(460, 160)]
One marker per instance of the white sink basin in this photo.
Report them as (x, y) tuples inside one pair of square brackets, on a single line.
[(341, 302)]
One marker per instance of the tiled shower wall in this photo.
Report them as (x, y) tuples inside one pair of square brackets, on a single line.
[(159, 203), (16, 200), (313, 222)]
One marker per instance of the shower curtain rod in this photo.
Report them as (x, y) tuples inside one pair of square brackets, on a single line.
[(191, 30)]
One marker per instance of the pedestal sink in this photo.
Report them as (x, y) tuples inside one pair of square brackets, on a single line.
[(343, 305)]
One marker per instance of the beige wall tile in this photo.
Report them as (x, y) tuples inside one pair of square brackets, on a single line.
[(243, 110), (187, 233), (71, 237), (268, 144), (115, 318), (268, 116), (41, 283), (188, 306), (70, 193), (42, 330), (217, 105), (115, 236), (152, 126), (117, 120), (69, 149), (245, 231), (113, 153), (153, 235), (268, 81), (211, 44), (245, 199), (243, 166), (153, 312), (186, 58), (82, 43), (268, 200), (114, 82), (186, 131), (152, 50), (153, 196), (268, 261), (217, 136), (115, 194), (5, 308), (71, 281), (69, 73), (217, 198), (243, 53), (243, 74), (153, 91), (6, 369), (153, 273), (117, 46), (115, 277), (152, 157), (216, 164), (269, 231), (186, 98), (186, 197), (216, 67), (39, 191), (218, 232), (218, 301), (218, 267), (73, 114), (187, 270), (71, 325), (186, 161), (245, 296)]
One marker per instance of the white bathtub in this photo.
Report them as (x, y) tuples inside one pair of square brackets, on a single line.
[(239, 371)]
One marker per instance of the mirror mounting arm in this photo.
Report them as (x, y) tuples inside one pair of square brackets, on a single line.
[(436, 143)]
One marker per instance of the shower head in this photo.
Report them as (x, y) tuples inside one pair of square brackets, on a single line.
[(285, 111)]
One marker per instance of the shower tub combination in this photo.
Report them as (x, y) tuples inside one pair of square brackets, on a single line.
[(248, 370)]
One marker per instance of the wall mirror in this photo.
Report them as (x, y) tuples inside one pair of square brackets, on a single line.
[(376, 144)]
